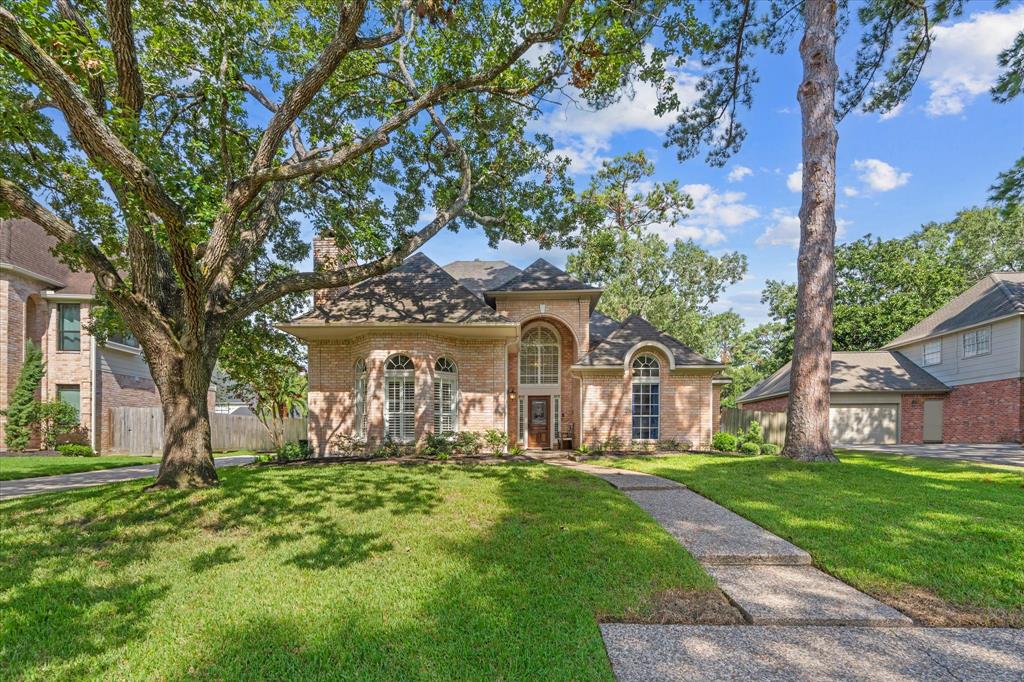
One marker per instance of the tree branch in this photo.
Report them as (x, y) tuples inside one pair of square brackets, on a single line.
[(126, 62), (97, 91)]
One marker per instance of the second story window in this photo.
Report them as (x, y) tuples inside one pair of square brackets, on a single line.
[(932, 353), (538, 357), (978, 342), (124, 339), (69, 332)]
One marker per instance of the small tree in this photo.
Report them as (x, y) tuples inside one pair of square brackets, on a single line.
[(22, 412), (55, 419)]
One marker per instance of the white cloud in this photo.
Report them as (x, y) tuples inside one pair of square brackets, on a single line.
[(963, 63), (880, 176), (795, 180), (584, 135), (738, 173), (892, 113), (713, 213), (785, 231), (850, 191)]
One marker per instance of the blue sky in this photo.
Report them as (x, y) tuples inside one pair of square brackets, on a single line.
[(938, 154)]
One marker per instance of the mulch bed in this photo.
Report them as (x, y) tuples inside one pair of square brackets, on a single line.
[(926, 608), (411, 459), (686, 607)]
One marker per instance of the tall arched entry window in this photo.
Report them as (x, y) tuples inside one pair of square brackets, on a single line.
[(359, 411), (400, 399), (538, 357), (646, 397), (446, 396)]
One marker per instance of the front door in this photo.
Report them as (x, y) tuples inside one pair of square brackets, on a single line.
[(539, 415), (933, 421)]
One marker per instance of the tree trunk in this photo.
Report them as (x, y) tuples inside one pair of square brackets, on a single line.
[(807, 433), (183, 382)]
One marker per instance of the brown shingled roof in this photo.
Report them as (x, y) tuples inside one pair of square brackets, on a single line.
[(636, 330), (26, 245), (480, 275), (416, 292), (877, 371), (542, 276)]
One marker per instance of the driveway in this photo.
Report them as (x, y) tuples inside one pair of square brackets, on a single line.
[(1011, 454), (86, 479)]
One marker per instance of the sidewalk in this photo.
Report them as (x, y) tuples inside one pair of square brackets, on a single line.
[(85, 479), (803, 622)]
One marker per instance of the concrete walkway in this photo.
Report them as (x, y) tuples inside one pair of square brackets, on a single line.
[(86, 479), (803, 623), (1008, 454)]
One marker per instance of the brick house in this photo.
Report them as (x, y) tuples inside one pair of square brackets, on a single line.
[(44, 302), (955, 377), (478, 345)]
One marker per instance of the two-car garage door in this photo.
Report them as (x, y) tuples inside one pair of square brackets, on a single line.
[(864, 424)]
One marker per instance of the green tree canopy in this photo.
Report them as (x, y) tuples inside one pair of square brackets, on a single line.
[(672, 286)]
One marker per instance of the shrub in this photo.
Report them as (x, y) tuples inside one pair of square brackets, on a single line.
[(22, 408), (77, 434), (515, 451), (583, 449), (770, 449), (749, 448), (389, 448), (292, 451), (497, 441), (669, 445), (724, 442), (612, 444), (467, 443), (754, 434), (346, 444), (438, 445), (75, 450), (56, 418)]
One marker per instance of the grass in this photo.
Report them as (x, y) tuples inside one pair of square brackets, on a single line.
[(332, 572), (27, 466), (904, 528)]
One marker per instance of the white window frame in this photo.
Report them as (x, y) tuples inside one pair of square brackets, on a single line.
[(446, 412), (400, 381), (931, 348), (360, 412), (646, 373), (978, 346), (526, 349), (556, 422)]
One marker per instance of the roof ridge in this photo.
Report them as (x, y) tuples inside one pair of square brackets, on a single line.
[(1002, 286)]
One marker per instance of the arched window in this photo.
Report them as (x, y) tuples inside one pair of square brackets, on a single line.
[(400, 398), (359, 411), (646, 397), (446, 396), (538, 357)]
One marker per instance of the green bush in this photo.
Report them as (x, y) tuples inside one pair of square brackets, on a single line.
[(613, 444), (724, 442), (467, 443), (583, 449), (292, 451), (75, 450), (438, 445), (515, 451), (749, 448), (754, 434), (497, 441), (770, 449), (671, 445), (56, 418), (22, 408)]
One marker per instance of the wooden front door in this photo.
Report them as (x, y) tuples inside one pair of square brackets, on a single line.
[(538, 416)]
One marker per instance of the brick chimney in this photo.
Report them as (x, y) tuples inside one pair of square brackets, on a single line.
[(326, 256)]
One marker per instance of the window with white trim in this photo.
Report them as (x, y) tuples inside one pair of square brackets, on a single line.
[(522, 420), (931, 354), (362, 376), (446, 396), (646, 397), (399, 399), (538, 358), (556, 420), (977, 342)]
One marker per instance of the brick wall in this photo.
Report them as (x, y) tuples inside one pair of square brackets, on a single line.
[(481, 375), (778, 404), (986, 412), (912, 418), (716, 407), (686, 405)]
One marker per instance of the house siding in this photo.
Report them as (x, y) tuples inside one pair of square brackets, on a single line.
[(1004, 362)]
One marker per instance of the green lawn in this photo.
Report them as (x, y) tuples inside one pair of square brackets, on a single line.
[(334, 572), (27, 466), (904, 528)]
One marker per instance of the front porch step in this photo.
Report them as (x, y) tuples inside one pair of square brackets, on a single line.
[(800, 595)]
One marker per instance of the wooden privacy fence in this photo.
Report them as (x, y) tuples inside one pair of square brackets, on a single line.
[(735, 420), (140, 431)]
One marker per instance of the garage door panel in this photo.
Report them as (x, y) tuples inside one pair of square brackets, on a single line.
[(864, 424)]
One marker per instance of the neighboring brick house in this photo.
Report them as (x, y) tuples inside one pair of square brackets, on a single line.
[(42, 301), (955, 377), (480, 345)]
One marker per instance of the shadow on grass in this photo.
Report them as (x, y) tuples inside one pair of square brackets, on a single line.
[(511, 590)]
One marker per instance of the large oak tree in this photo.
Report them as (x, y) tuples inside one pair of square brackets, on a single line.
[(175, 149)]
